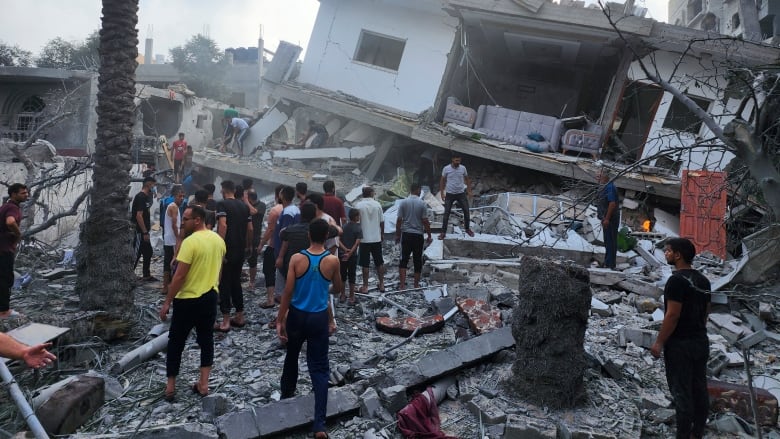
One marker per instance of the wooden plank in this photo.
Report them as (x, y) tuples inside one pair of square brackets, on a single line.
[(35, 333)]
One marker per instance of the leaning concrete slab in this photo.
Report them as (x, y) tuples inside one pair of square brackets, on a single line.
[(440, 363), (287, 414), (642, 288), (35, 333)]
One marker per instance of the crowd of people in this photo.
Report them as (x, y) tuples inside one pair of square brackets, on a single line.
[(307, 243)]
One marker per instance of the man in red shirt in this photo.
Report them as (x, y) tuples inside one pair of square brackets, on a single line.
[(333, 204), (179, 153), (10, 235)]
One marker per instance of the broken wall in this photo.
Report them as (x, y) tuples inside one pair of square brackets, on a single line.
[(166, 114), (698, 77), (426, 31)]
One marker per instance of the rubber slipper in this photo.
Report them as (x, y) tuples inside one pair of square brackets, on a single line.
[(219, 329), (235, 323), (321, 435), (267, 305), (196, 391)]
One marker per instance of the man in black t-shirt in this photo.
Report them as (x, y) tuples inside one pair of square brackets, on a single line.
[(683, 338), (234, 225), (257, 211), (142, 218)]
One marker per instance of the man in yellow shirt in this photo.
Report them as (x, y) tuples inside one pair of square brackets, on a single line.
[(193, 293)]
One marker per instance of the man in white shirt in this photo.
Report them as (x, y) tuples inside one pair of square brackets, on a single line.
[(372, 224), (240, 130), (171, 234), (455, 186)]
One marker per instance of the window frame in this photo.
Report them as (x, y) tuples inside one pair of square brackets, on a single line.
[(364, 62)]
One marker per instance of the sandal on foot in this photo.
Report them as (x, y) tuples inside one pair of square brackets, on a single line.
[(267, 305), (196, 390)]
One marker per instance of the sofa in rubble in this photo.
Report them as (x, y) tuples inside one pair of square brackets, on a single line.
[(537, 132)]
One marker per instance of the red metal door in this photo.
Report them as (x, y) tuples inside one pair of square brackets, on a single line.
[(702, 210)]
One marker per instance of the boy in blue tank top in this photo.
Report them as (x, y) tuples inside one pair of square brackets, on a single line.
[(305, 315)]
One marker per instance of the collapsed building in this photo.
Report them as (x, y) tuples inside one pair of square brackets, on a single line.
[(399, 84)]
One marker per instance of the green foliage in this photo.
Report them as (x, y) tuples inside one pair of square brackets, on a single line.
[(202, 65), (13, 56), (61, 54)]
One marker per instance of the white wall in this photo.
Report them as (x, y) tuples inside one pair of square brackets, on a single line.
[(428, 33), (701, 78)]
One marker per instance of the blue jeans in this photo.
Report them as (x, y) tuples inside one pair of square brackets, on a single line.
[(312, 328)]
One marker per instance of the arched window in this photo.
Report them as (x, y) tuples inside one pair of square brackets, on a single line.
[(33, 104), (27, 118)]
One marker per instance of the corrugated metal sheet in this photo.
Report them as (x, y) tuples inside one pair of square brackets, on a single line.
[(702, 210)]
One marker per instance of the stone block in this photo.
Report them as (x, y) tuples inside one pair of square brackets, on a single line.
[(611, 298), (600, 308), (751, 340), (284, 415), (765, 311), (370, 404), (735, 398), (443, 304), (605, 276), (486, 411), (482, 316), (717, 363), (215, 405), (520, 427), (192, 430), (72, 405), (394, 398), (640, 337), (730, 327), (662, 416), (641, 288)]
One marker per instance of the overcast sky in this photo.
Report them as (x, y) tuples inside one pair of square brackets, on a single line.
[(231, 23)]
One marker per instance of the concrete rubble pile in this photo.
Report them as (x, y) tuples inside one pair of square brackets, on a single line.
[(375, 374)]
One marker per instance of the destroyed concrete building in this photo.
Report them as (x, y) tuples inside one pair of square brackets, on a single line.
[(394, 82)]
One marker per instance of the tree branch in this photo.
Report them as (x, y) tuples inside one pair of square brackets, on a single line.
[(54, 218)]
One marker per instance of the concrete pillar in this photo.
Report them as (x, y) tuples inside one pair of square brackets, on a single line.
[(548, 326)]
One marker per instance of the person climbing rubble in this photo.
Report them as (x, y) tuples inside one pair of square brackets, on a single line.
[(455, 187)]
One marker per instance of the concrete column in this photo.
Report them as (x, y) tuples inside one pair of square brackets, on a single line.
[(149, 51)]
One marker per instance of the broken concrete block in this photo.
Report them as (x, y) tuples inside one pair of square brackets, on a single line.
[(717, 363), (640, 337), (605, 276), (486, 411), (754, 321), (215, 405), (751, 340), (647, 256), (394, 398), (662, 416), (443, 304), (520, 427), (652, 400), (719, 298), (283, 415), (72, 405), (729, 326), (735, 398), (482, 316), (611, 297), (765, 312), (370, 405), (646, 305), (193, 430), (642, 288), (599, 308), (658, 315)]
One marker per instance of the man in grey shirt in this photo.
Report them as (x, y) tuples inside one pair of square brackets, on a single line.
[(455, 187), (412, 221)]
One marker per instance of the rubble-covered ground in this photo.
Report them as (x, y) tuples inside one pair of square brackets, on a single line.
[(626, 394)]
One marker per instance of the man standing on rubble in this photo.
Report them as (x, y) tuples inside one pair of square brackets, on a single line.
[(372, 224), (412, 221), (607, 211), (234, 225), (683, 338), (305, 315), (179, 153), (193, 294), (10, 235), (171, 234), (141, 217), (455, 187)]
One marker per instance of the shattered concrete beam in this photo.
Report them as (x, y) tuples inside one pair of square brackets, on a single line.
[(641, 288), (249, 170), (452, 359), (647, 256), (579, 170), (284, 415)]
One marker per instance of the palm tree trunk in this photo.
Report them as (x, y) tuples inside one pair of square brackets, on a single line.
[(105, 275)]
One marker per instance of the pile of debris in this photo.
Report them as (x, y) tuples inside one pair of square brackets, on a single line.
[(464, 347)]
